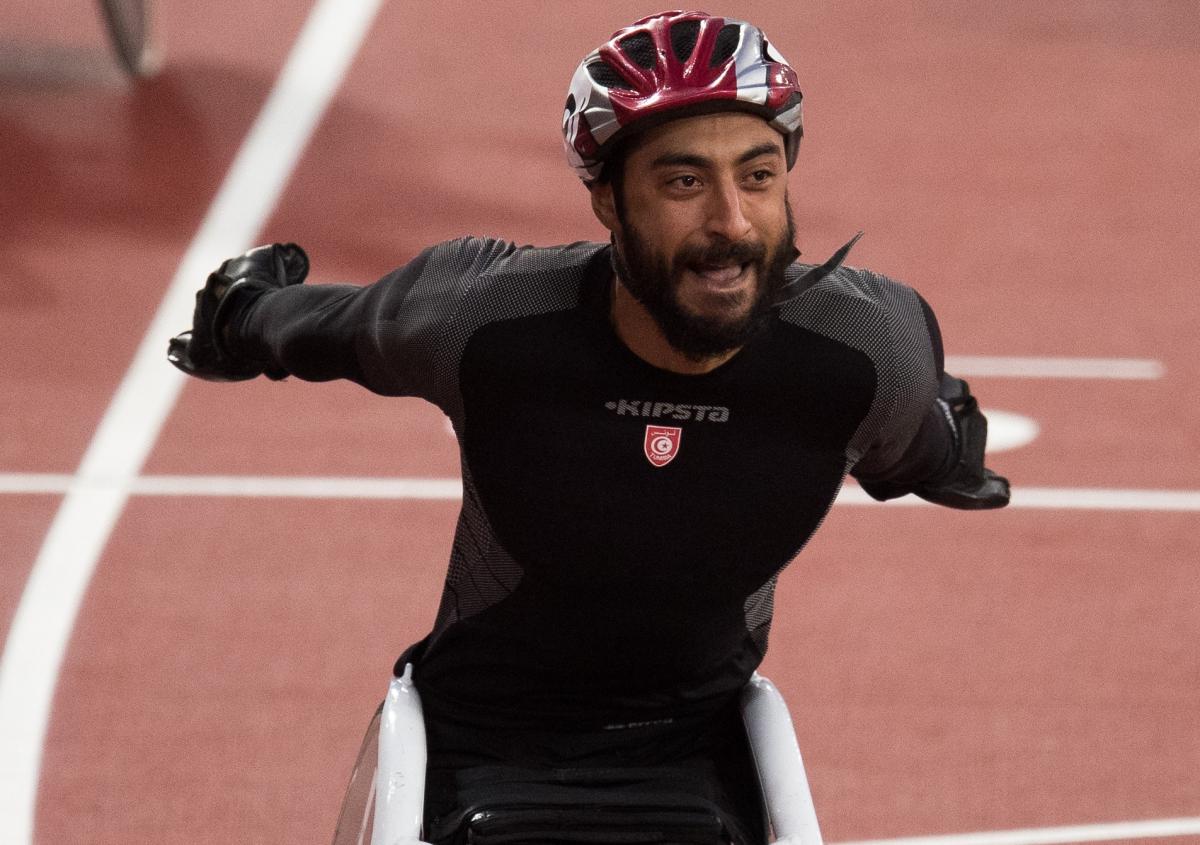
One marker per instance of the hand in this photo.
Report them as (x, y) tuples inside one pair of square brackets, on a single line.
[(207, 351), (969, 485)]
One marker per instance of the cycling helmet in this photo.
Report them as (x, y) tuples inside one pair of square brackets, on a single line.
[(675, 64)]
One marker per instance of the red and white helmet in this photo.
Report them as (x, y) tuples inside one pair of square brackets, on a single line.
[(671, 65)]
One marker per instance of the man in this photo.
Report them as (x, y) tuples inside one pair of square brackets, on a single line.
[(650, 429)]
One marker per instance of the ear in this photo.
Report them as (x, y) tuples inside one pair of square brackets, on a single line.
[(604, 206)]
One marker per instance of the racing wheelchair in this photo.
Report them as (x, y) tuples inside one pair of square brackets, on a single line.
[(384, 803)]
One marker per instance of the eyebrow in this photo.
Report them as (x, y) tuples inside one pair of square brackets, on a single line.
[(694, 160)]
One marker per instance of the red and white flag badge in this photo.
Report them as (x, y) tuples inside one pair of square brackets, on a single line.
[(662, 444)]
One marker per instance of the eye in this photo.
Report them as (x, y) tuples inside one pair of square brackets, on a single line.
[(760, 178), (687, 180)]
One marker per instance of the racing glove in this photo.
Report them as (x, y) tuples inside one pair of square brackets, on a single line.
[(207, 351), (964, 483)]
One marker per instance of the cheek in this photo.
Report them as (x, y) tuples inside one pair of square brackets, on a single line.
[(661, 233), (668, 219), (769, 216)]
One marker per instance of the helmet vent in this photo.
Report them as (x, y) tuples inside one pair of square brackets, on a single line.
[(569, 108), (727, 42), (606, 75), (683, 39), (640, 48)]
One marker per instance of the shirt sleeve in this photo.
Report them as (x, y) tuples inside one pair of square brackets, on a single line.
[(382, 336), (919, 444)]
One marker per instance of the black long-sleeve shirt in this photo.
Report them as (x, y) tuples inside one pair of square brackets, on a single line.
[(622, 526)]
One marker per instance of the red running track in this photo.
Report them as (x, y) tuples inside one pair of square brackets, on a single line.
[(1031, 170)]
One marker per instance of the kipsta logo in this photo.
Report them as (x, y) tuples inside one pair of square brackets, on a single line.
[(662, 444)]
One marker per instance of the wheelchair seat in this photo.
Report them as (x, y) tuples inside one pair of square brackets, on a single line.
[(511, 806), (385, 800)]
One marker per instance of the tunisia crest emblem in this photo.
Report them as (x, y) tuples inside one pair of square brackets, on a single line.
[(662, 444)]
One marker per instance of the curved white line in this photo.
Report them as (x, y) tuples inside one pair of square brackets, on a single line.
[(45, 617)]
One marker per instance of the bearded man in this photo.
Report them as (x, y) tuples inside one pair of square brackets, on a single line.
[(650, 428)]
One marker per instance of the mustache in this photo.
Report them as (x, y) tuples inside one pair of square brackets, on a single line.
[(721, 252)]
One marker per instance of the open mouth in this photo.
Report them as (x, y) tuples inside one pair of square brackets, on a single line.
[(720, 276)]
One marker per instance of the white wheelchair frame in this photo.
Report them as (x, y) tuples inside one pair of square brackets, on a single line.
[(398, 788)]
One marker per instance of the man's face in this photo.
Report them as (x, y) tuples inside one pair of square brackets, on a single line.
[(704, 231)]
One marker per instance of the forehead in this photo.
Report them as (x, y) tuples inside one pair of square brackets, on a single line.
[(719, 137)]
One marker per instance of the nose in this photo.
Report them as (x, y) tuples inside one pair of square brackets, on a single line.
[(725, 214)]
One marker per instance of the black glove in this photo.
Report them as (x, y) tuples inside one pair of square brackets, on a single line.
[(206, 351), (966, 484), (969, 485)]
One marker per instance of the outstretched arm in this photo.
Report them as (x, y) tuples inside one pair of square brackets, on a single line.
[(254, 317)]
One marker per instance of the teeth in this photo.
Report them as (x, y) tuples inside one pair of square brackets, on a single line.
[(720, 274)]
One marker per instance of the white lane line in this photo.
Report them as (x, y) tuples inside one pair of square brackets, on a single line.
[(284, 487), (301, 487), (27, 483), (45, 617), (1064, 498), (1135, 369), (316, 487), (1108, 500), (1151, 829)]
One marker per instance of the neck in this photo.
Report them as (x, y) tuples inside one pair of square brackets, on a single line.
[(640, 333)]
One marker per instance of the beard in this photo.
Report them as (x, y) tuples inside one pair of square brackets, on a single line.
[(655, 281)]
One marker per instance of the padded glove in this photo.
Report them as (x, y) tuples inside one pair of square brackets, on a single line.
[(207, 350), (966, 484)]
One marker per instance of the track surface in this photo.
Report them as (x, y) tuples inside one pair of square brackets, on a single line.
[(1030, 170)]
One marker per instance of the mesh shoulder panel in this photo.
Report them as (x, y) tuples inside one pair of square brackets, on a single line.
[(472, 282), (883, 319), (413, 325)]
